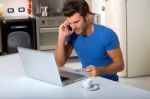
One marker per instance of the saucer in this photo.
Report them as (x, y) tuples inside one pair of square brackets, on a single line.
[(93, 88)]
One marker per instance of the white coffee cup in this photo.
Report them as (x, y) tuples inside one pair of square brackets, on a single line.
[(87, 84)]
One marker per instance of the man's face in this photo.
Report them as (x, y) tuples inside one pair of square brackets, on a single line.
[(77, 23)]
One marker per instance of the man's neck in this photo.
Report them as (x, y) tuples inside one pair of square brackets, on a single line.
[(88, 29)]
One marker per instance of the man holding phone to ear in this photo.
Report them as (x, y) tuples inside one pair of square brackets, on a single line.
[(96, 46)]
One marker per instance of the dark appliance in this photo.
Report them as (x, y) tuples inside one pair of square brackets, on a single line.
[(0, 38), (18, 32)]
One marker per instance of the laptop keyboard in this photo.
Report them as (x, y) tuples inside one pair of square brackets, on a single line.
[(63, 78)]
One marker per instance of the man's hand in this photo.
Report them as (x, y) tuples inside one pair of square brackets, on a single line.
[(64, 30), (92, 71)]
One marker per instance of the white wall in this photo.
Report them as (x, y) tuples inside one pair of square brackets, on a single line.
[(96, 7), (116, 19), (89, 3), (14, 4), (131, 20), (138, 35)]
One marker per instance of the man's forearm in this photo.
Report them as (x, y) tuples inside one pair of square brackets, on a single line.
[(60, 55), (112, 68), (117, 64)]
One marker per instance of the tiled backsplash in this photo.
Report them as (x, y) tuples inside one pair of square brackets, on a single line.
[(14, 7)]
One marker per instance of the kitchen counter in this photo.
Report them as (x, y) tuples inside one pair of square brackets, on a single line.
[(14, 84)]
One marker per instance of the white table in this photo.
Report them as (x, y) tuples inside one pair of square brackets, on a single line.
[(15, 85)]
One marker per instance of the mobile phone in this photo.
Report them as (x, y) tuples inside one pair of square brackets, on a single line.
[(69, 27)]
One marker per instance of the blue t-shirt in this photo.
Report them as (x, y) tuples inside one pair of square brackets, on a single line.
[(92, 49)]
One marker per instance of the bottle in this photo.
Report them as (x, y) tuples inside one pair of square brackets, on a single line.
[(29, 8), (1, 10), (44, 10)]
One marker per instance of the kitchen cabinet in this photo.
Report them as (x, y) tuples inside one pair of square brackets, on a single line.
[(131, 21)]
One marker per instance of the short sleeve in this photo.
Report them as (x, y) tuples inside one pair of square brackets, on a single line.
[(112, 41), (68, 39), (71, 38)]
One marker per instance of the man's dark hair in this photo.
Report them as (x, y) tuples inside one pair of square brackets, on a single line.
[(75, 6)]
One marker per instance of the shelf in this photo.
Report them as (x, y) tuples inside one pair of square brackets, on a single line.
[(49, 30), (47, 47), (52, 49)]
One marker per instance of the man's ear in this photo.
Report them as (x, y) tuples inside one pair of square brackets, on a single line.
[(87, 17)]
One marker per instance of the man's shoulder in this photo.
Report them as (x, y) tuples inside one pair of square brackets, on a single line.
[(102, 28)]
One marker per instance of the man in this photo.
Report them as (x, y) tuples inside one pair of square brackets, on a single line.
[(96, 46)]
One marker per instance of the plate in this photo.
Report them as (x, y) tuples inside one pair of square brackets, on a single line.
[(94, 87)]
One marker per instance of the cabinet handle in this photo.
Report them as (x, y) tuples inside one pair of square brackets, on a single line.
[(49, 30), (18, 27)]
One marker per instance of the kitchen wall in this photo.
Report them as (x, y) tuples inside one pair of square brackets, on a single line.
[(115, 15), (5, 4), (15, 4), (96, 6), (130, 19)]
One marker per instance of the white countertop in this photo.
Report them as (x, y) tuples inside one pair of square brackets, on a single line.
[(14, 84)]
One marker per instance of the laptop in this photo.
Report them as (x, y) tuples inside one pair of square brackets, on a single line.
[(41, 65)]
